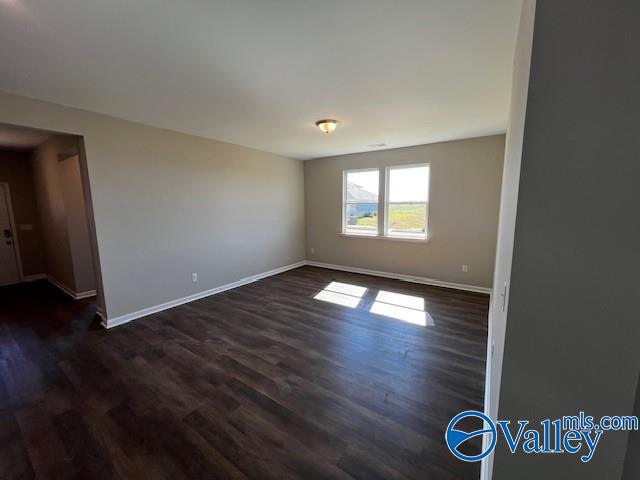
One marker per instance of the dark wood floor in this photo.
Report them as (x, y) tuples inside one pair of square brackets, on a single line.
[(263, 381)]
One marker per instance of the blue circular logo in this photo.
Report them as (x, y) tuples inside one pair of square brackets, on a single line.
[(455, 438)]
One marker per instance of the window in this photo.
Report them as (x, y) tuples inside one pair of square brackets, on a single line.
[(407, 199), (403, 205), (360, 205)]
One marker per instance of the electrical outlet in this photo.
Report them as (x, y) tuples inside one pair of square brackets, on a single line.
[(312, 250), (465, 268), (194, 277)]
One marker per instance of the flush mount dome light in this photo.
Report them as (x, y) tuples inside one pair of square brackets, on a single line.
[(327, 125)]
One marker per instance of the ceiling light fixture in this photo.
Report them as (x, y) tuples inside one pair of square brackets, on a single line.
[(327, 125)]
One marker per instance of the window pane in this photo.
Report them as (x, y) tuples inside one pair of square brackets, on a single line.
[(361, 196), (362, 187), (407, 218), (409, 184), (407, 201), (361, 218)]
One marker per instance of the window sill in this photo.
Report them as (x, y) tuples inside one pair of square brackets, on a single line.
[(383, 237)]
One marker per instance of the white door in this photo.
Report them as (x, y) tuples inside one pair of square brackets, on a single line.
[(8, 261)]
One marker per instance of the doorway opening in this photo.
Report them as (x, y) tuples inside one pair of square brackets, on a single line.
[(47, 233)]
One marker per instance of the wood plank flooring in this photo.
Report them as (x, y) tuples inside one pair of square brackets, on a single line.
[(263, 382)]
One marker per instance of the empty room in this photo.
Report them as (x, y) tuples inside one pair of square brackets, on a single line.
[(266, 239)]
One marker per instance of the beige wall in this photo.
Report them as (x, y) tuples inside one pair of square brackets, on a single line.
[(52, 210), (63, 216), (77, 224), (167, 204), (463, 212), (15, 169)]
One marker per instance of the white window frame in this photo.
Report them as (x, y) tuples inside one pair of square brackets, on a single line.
[(405, 236), (344, 204)]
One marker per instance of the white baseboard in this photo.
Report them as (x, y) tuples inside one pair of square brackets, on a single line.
[(103, 317), (25, 278), (114, 322), (69, 291), (34, 277), (406, 278), (85, 294), (122, 319)]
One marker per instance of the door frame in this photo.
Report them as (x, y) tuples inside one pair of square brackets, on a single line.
[(12, 223)]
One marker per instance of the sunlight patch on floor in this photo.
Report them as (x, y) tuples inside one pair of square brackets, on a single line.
[(408, 308), (344, 294)]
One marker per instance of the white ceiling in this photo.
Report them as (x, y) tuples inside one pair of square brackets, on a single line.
[(19, 138), (261, 72)]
